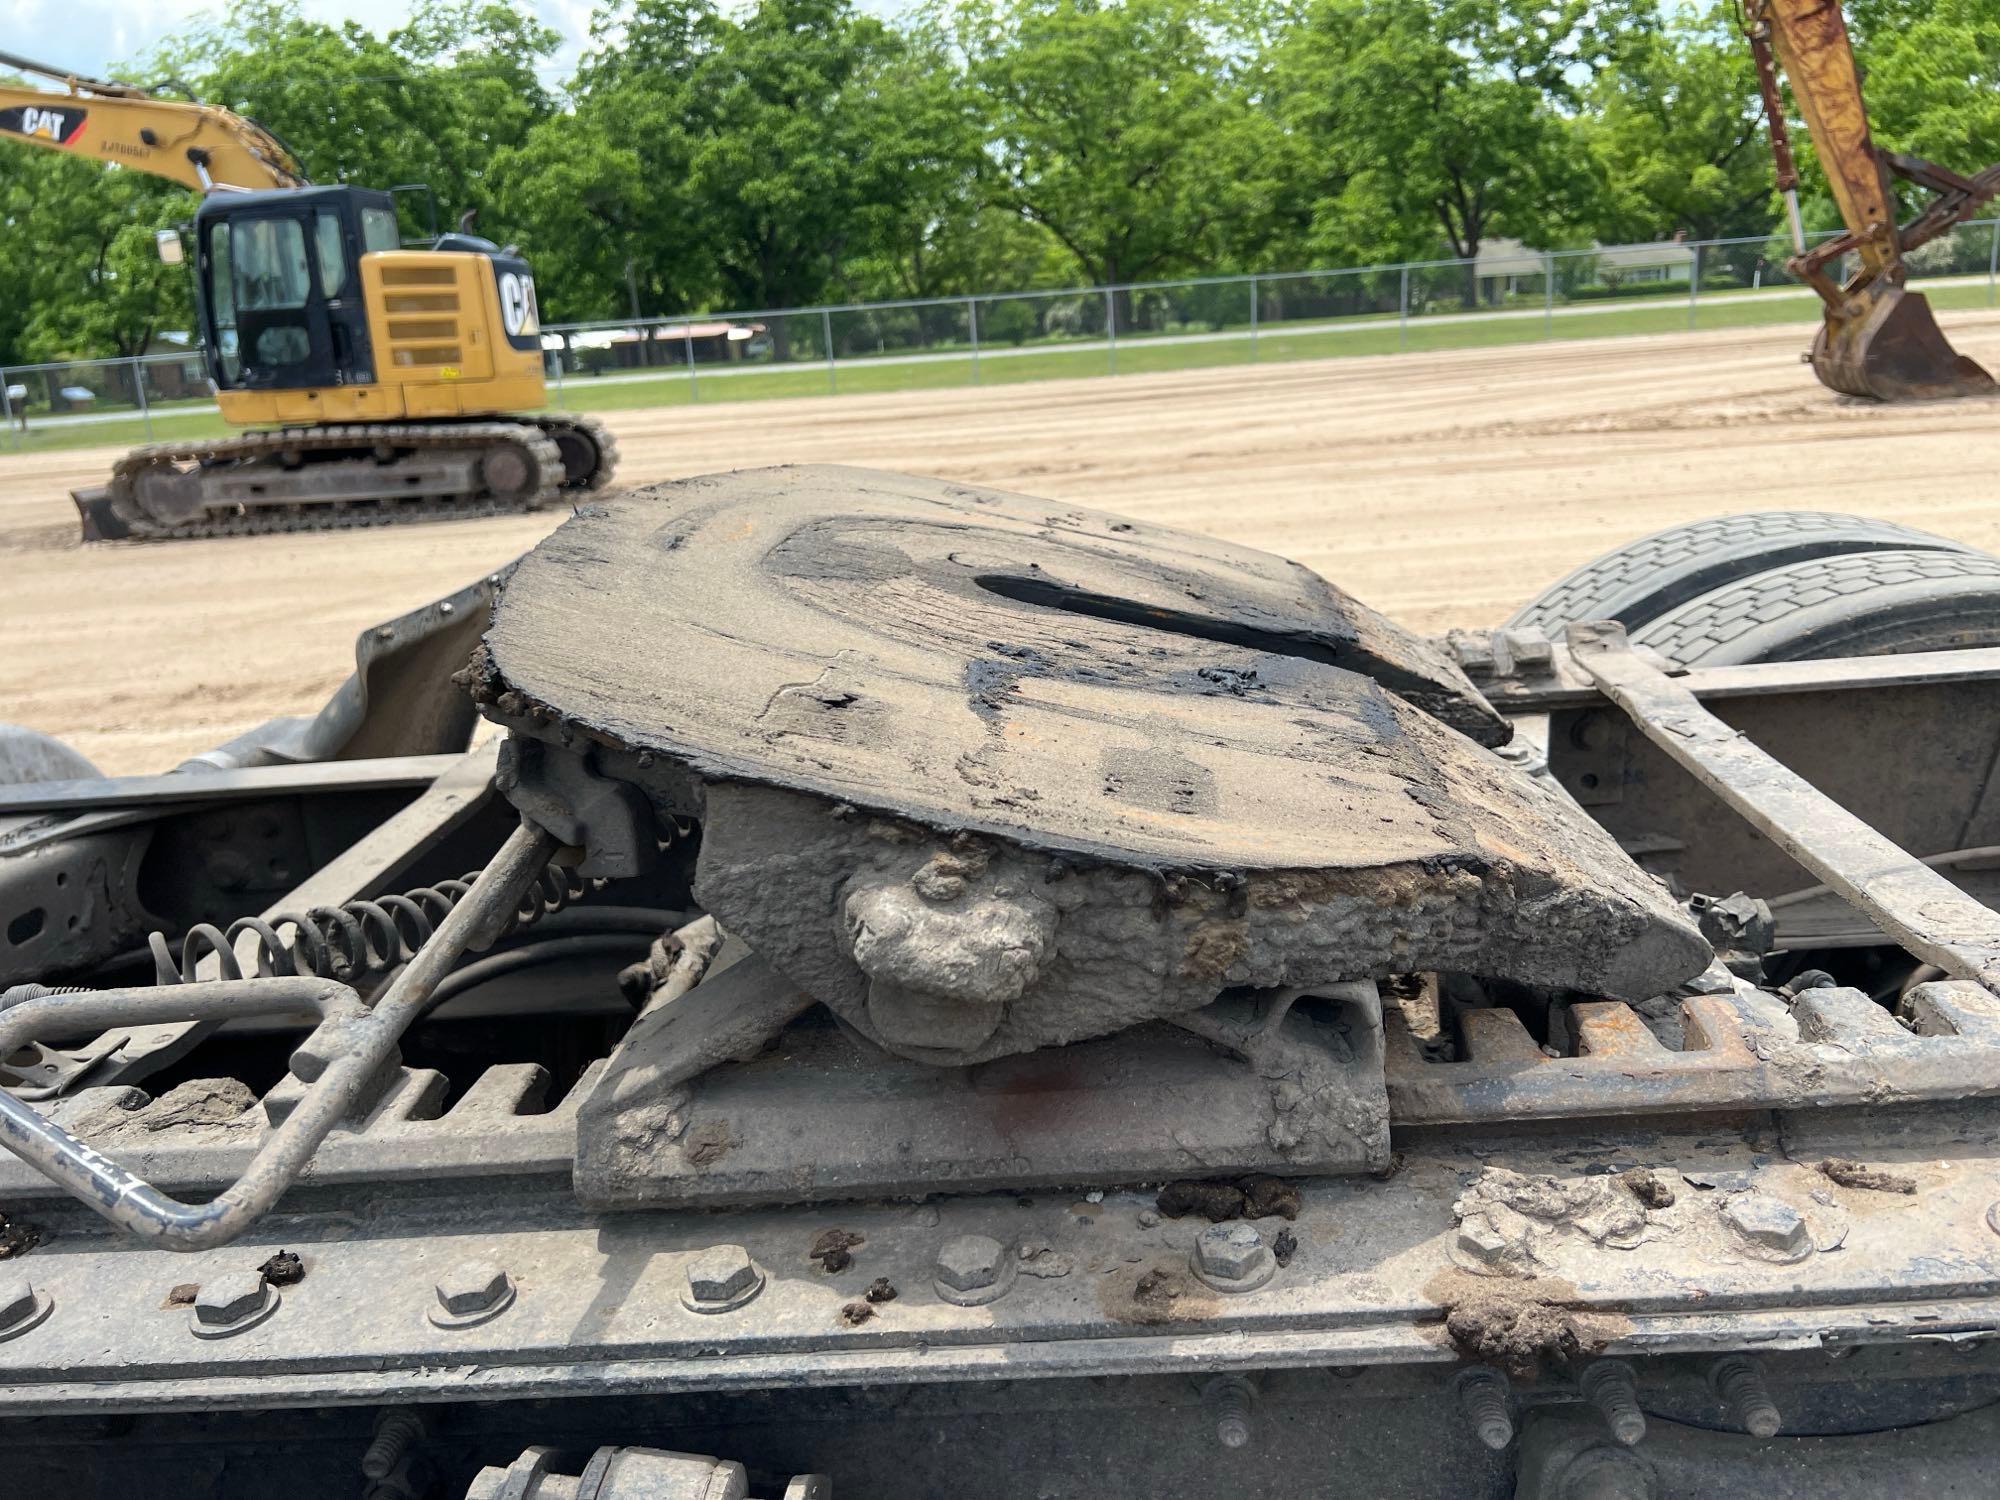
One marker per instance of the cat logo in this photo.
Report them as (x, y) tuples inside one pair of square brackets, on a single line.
[(39, 123), (517, 305)]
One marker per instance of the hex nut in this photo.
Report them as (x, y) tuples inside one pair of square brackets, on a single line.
[(975, 1269), (472, 1292), (1233, 1257), (230, 1304), (21, 1307), (1480, 1241), (720, 1278), (1769, 1223)]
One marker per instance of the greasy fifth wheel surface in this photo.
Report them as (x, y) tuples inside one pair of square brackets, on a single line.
[(984, 773)]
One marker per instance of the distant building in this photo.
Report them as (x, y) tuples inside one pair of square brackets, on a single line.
[(1507, 267)]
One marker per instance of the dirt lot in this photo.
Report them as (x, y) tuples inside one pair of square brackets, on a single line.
[(1443, 488)]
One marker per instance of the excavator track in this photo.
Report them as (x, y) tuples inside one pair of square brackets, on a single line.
[(585, 439), (117, 511)]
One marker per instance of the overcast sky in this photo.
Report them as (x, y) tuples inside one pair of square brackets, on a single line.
[(96, 36)]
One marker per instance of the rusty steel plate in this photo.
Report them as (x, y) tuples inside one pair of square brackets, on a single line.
[(1279, 768)]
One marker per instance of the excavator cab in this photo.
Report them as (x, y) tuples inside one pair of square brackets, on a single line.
[(279, 285), (312, 310)]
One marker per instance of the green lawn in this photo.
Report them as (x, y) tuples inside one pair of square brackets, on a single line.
[(1371, 335)]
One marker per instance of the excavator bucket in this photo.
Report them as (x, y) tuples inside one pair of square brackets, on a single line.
[(1895, 352)]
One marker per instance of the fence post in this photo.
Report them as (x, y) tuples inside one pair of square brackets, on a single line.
[(687, 337), (1548, 295), (562, 358), (1253, 319), (1403, 311), (139, 393), (972, 322), (1694, 283), (1992, 262), (7, 408), (826, 332), (1111, 329)]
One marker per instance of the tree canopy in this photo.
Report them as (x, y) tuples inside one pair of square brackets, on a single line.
[(787, 152)]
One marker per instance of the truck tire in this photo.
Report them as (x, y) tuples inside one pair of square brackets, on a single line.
[(1859, 604), (1646, 579)]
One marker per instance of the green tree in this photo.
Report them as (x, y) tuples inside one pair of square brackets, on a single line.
[(1442, 125), (1122, 129), (1677, 126), (430, 103)]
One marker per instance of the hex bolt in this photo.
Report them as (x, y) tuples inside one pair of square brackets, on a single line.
[(1741, 1386), (231, 1303), (1609, 1385), (1233, 1257), (1482, 1395), (471, 1292), (722, 1277), (1230, 1397), (21, 1307), (1770, 1223), (397, 1430), (975, 1269)]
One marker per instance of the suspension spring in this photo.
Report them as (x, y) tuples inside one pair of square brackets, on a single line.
[(355, 940)]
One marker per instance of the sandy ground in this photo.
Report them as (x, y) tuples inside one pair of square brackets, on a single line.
[(1442, 488)]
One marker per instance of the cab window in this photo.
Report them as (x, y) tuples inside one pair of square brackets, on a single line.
[(330, 248), (379, 230)]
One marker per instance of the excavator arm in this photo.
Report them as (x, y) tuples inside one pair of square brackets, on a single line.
[(199, 145), (1878, 339)]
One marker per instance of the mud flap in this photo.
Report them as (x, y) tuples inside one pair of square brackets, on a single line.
[(100, 522), (1895, 352)]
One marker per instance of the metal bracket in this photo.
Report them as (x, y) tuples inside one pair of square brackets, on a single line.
[(1907, 899)]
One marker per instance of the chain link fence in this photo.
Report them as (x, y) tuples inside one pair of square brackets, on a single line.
[(1505, 295)]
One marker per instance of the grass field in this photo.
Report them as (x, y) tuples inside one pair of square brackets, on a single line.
[(1132, 355)]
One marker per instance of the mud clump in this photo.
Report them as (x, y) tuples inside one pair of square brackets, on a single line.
[(183, 1295), (831, 1249), (880, 1291), (1852, 1174), (1284, 1247), (283, 1269), (1218, 1202), (1648, 1187), (854, 1314), (18, 1237), (1519, 1325)]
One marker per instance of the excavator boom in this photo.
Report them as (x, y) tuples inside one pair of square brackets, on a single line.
[(199, 145), (1878, 339)]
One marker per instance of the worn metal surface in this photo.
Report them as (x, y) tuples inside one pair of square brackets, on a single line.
[(1913, 903), (182, 788), (1740, 1049), (693, 1109), (1105, 1285), (1042, 776), (1536, 685)]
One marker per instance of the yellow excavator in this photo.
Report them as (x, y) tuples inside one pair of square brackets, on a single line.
[(1878, 338), (380, 383)]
